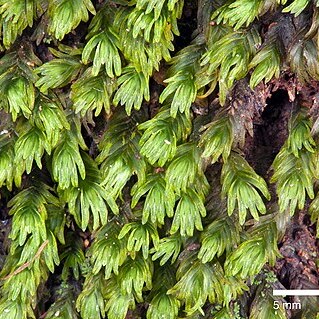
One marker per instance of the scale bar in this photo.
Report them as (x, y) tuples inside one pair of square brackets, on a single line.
[(296, 292)]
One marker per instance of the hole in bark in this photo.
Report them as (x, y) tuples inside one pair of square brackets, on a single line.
[(274, 106), (270, 131), (187, 22)]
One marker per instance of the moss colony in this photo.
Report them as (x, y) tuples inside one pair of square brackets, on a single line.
[(158, 159)]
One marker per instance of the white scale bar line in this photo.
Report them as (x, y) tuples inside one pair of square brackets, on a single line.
[(296, 292)]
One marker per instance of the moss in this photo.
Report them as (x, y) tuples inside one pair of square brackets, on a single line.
[(157, 158)]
